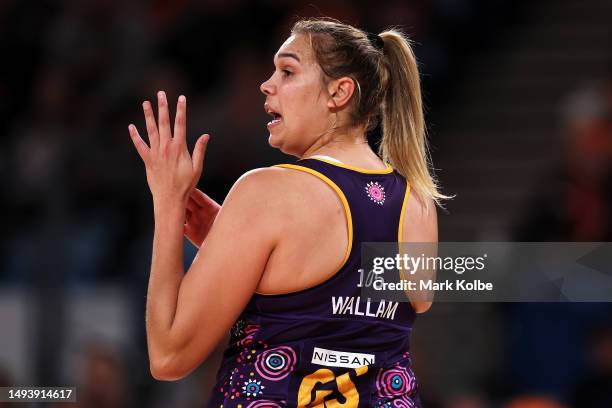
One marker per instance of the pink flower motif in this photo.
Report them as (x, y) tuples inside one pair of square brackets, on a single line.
[(376, 192)]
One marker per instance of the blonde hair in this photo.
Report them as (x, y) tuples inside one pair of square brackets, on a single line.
[(388, 86)]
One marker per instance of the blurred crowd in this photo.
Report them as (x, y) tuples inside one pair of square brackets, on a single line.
[(76, 210)]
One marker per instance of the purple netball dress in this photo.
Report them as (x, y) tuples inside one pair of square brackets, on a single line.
[(325, 346)]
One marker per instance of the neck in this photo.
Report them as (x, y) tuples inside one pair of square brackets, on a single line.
[(352, 141)]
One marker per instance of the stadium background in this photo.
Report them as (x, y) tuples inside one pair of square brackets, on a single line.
[(519, 102)]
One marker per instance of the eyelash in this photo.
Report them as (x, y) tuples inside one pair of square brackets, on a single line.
[(286, 72)]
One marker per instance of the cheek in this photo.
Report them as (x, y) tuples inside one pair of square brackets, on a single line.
[(305, 110), (305, 115), (313, 121)]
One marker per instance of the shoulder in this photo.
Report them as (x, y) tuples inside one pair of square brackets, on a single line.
[(420, 206), (266, 190), (420, 225), (284, 196), (420, 218), (257, 182), (256, 187), (255, 203), (276, 179)]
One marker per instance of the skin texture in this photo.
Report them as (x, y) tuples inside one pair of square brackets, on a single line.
[(266, 236)]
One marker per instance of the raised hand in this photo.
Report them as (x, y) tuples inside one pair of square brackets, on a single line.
[(171, 173)]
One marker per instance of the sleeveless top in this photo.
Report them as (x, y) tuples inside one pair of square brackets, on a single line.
[(325, 346)]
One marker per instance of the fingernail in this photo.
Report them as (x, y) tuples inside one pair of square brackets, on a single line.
[(130, 127), (160, 94), (144, 104), (182, 98)]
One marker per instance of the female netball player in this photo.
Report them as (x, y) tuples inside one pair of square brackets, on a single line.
[(278, 262)]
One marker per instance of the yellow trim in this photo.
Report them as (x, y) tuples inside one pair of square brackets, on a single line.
[(400, 229), (388, 170), (349, 220)]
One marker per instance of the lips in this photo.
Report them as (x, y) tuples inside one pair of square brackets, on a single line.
[(277, 117)]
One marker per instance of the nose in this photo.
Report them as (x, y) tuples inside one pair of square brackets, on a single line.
[(266, 87)]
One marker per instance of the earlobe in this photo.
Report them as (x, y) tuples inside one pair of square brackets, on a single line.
[(331, 103)]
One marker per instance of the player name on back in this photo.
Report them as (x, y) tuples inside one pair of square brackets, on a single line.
[(352, 305)]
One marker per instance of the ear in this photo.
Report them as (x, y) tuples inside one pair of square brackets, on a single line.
[(340, 91)]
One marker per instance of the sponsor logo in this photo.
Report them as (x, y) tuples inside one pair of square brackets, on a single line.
[(334, 358)]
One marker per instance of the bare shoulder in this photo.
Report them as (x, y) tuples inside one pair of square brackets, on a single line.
[(284, 180), (257, 178), (293, 199), (272, 191), (420, 219), (420, 225), (260, 187), (270, 177)]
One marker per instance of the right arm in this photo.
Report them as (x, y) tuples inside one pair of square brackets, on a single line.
[(185, 322)]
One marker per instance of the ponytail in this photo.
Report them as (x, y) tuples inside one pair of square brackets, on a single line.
[(388, 81), (404, 142)]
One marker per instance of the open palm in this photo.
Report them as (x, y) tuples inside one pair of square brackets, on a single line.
[(171, 173)]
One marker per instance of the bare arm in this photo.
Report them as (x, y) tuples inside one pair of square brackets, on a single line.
[(421, 226), (187, 314)]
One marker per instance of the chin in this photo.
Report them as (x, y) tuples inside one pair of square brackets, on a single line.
[(283, 147), (283, 144), (274, 142)]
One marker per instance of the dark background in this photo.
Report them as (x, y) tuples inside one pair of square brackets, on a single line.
[(518, 101)]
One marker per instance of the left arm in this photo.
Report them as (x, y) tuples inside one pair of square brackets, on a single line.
[(420, 229)]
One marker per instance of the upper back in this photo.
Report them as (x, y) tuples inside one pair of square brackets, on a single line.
[(331, 209), (317, 260)]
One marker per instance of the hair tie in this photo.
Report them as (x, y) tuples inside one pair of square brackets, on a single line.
[(376, 40)]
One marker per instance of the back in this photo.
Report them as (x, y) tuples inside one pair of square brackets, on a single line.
[(324, 344)]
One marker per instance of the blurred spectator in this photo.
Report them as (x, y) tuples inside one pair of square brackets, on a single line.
[(466, 401), (532, 401), (104, 381), (575, 203), (595, 388), (5, 381)]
